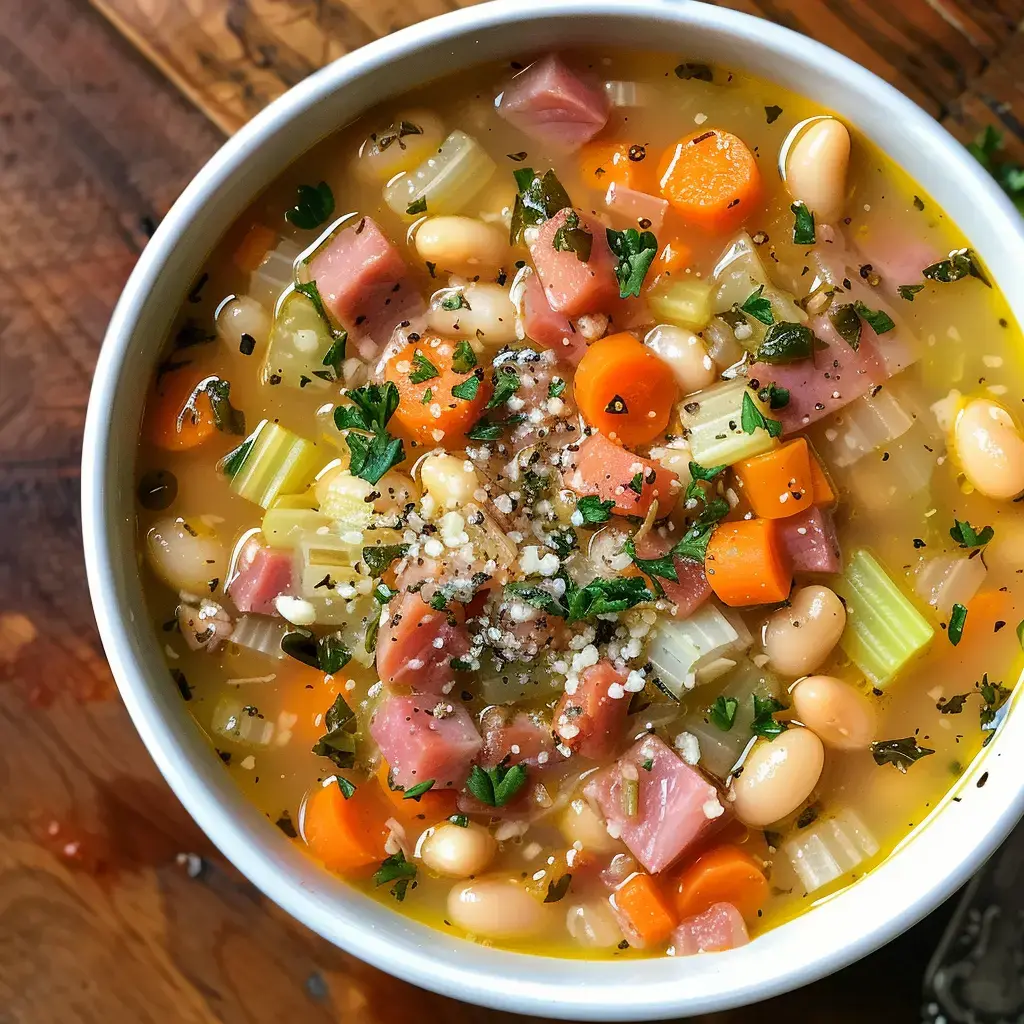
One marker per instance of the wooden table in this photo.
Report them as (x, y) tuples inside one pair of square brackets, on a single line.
[(113, 906)]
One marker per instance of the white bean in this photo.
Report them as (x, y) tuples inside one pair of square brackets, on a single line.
[(799, 638), (593, 925), (461, 243), (458, 851), (449, 480), (581, 824), (394, 148), (778, 776), (243, 315), (186, 554), (497, 908), (396, 491), (838, 714), (685, 353), (816, 168), (485, 312), (990, 449)]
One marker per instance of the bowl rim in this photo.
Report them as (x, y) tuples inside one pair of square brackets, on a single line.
[(925, 868)]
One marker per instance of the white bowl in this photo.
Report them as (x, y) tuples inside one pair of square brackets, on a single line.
[(928, 866)]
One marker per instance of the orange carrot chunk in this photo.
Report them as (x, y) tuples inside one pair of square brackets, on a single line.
[(431, 806), (624, 390), (725, 874), (176, 417), (646, 916), (424, 374), (711, 178), (822, 491), (778, 483), (672, 261), (345, 834), (607, 163), (254, 247), (746, 564)]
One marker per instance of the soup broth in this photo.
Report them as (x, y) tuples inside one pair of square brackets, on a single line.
[(616, 551)]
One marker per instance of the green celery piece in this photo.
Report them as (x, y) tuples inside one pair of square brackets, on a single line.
[(713, 422), (884, 630), (279, 462)]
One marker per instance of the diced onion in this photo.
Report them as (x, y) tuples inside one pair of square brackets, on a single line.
[(950, 579), (274, 274), (260, 633), (627, 94), (445, 181), (864, 426), (232, 722), (829, 849)]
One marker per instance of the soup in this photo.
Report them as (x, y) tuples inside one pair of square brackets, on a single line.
[(578, 503)]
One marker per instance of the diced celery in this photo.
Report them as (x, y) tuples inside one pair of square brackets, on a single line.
[(345, 498), (299, 341), (281, 526), (686, 303), (720, 749), (277, 462), (231, 720), (685, 652), (444, 182), (488, 540), (274, 274), (740, 272), (326, 577), (830, 848), (864, 425), (884, 631), (713, 422), (305, 500), (947, 580)]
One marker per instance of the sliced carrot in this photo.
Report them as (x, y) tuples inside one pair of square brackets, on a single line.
[(822, 491), (711, 178), (427, 408), (434, 805), (624, 390), (745, 563), (607, 163), (672, 261), (644, 910), (778, 483), (175, 421), (254, 247), (345, 834), (725, 874)]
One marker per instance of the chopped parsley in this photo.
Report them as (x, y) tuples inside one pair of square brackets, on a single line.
[(776, 397), (339, 335), (765, 724), (339, 742), (957, 620), (328, 653), (556, 388), (908, 291), (594, 510), (491, 430), (417, 206), (772, 113), (757, 306), (373, 450), (234, 460), (347, 788), (314, 205), (995, 695), (635, 252), (416, 792), (662, 567), (557, 890), (463, 358), (461, 820), (422, 368), (572, 237), (506, 384), (692, 70), (901, 754), (378, 557), (498, 785), (968, 537), (786, 342), (455, 300), (847, 323), (398, 870), (751, 418), (722, 714), (959, 264), (538, 199), (803, 223), (877, 319), (467, 390)]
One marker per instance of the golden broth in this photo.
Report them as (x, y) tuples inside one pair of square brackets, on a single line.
[(970, 343)]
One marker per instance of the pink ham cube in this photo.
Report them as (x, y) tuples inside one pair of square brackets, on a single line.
[(551, 103), (590, 720), (677, 805), (423, 737), (521, 739), (572, 286), (262, 574), (416, 643), (692, 588), (635, 209), (359, 274), (810, 538), (548, 328), (720, 927)]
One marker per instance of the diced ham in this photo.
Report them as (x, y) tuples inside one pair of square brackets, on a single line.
[(551, 103), (590, 720), (604, 468), (896, 257), (548, 328), (720, 927), (692, 590), (522, 739), (572, 286), (416, 644), (261, 575), (422, 737), (810, 539), (635, 209), (360, 274), (823, 384), (677, 805)]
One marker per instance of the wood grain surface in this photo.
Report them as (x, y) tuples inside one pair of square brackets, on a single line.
[(113, 907)]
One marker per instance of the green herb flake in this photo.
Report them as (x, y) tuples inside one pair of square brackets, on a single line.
[(235, 459), (751, 418), (463, 358), (461, 820), (422, 369), (663, 567), (846, 323), (803, 224), (506, 384), (959, 264), (379, 557), (332, 653), (417, 206), (877, 319), (557, 890), (765, 724), (994, 696), (901, 754), (635, 252), (496, 786), (776, 397), (347, 788), (572, 237), (372, 457), (594, 510), (908, 291), (691, 70), (604, 596), (468, 389), (486, 429), (648, 764), (539, 198), (968, 537), (757, 306), (957, 620), (636, 483), (722, 714), (416, 792), (786, 342), (398, 870), (772, 113), (339, 742), (314, 205)]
